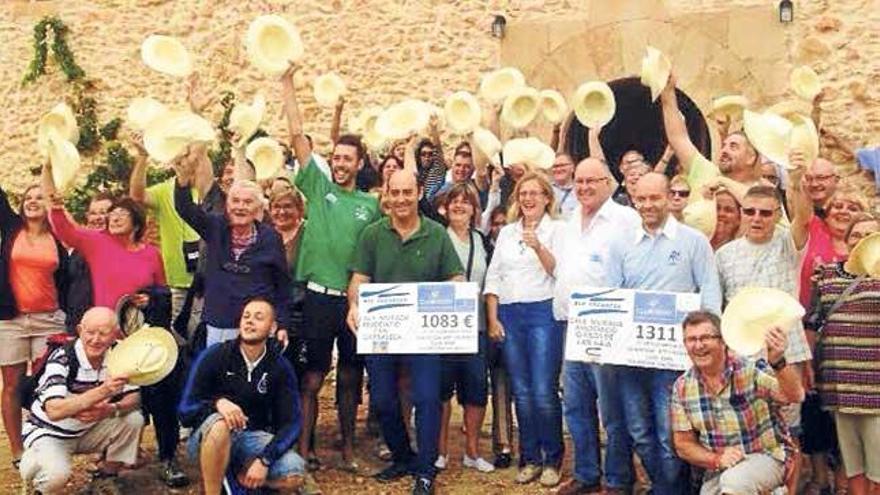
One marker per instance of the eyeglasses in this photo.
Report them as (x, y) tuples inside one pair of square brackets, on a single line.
[(119, 213), (750, 212), (702, 339), (680, 193), (590, 181)]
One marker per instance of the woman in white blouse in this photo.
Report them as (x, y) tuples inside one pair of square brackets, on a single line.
[(519, 294)]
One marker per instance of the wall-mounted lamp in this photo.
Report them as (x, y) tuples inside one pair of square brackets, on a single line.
[(786, 11), (498, 26)]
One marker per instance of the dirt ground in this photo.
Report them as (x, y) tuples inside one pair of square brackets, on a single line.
[(455, 480)]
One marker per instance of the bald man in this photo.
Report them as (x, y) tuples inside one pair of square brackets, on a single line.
[(661, 254), (91, 412), (821, 183), (580, 261)]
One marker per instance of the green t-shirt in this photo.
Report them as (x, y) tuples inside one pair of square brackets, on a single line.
[(701, 170), (427, 256), (173, 232), (336, 218)]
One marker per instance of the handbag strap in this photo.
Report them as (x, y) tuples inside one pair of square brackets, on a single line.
[(470, 262)]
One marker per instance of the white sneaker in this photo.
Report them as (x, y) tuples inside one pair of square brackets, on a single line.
[(440, 463), (480, 464)]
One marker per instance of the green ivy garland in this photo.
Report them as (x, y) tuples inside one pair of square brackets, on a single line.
[(220, 155), (60, 51)]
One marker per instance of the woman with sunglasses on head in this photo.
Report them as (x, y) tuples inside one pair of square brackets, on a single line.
[(33, 282)]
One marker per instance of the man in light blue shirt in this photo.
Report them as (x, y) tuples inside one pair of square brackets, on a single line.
[(662, 255)]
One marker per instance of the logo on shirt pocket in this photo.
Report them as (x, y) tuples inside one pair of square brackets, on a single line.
[(263, 385), (674, 257)]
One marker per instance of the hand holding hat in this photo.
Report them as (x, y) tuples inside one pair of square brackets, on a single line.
[(775, 342)]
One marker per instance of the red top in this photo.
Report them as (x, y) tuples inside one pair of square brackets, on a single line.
[(819, 251)]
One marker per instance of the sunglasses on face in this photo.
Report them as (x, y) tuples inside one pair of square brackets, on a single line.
[(680, 193), (750, 212)]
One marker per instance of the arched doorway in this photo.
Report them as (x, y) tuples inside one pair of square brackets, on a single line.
[(638, 125)]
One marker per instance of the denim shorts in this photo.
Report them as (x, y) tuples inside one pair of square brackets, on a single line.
[(246, 446)]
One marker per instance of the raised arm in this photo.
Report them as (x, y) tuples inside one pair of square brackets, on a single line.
[(189, 211), (563, 138), (663, 163), (203, 177), (596, 150), (197, 100), (137, 182), (676, 130), (8, 216), (337, 120), (554, 137), (798, 201), (298, 141), (409, 155)]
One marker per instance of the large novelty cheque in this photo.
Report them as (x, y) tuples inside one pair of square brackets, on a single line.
[(418, 318), (628, 327)]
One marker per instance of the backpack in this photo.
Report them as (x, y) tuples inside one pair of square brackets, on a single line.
[(27, 387)]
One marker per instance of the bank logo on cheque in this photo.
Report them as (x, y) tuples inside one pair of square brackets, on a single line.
[(655, 308), (385, 299), (439, 298)]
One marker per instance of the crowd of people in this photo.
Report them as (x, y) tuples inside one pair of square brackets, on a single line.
[(261, 280)]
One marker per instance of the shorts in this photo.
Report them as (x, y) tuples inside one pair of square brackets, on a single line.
[(23, 338), (245, 447), (466, 375), (859, 436), (323, 323)]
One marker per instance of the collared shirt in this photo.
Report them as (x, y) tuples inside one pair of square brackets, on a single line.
[(678, 258), (742, 414), (773, 264), (566, 200), (515, 273), (582, 253)]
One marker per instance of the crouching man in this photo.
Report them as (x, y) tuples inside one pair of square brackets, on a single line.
[(242, 401), (78, 408), (724, 410)]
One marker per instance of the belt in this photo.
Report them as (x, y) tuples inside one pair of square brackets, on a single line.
[(320, 289)]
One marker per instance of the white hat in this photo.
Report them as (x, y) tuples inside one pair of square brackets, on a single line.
[(656, 68), (805, 138), (528, 151), (328, 89), (272, 44), (59, 121), (64, 159), (142, 111), (732, 105), (545, 157), (594, 104), (487, 143), (462, 112), (402, 119), (769, 134), (701, 215), (168, 135), (805, 82), (497, 85), (244, 119), (864, 259), (521, 107), (553, 106), (167, 55), (366, 127), (145, 357), (267, 157), (752, 312), (787, 108)]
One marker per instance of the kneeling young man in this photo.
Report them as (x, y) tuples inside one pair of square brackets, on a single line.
[(242, 400)]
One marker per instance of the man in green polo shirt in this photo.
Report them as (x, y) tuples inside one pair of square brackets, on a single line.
[(406, 247), (337, 213)]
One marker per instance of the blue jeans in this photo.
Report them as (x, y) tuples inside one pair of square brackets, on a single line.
[(647, 393), (583, 385), (425, 372), (533, 351)]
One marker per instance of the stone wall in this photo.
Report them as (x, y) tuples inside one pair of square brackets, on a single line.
[(386, 50)]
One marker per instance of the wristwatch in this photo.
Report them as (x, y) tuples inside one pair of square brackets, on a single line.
[(264, 461), (778, 365)]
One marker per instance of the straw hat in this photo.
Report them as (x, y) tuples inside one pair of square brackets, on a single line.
[(487, 143), (553, 106), (267, 157), (528, 151), (701, 215), (656, 68), (64, 159), (788, 108), (732, 105), (865, 257), (769, 133), (142, 111), (59, 121), (167, 55), (145, 357), (402, 119), (545, 156), (805, 82), (497, 85), (244, 119), (328, 89), (462, 112), (593, 103), (366, 123), (805, 138), (521, 107), (168, 135), (752, 312), (272, 44)]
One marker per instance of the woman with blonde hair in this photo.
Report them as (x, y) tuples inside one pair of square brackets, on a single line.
[(519, 293)]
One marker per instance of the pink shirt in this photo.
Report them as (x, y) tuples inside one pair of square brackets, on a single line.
[(819, 251), (115, 270)]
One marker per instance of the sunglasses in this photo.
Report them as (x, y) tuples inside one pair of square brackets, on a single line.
[(680, 193), (750, 212)]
